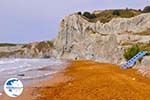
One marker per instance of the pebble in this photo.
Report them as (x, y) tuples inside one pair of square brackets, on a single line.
[(70, 84), (133, 79)]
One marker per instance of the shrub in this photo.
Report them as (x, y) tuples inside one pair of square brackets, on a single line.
[(139, 10), (126, 14), (50, 43), (116, 12), (131, 52), (92, 16), (79, 13), (89, 15), (127, 9), (86, 14), (7, 44), (146, 9)]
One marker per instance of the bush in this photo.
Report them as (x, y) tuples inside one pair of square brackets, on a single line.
[(126, 14), (86, 14), (139, 10), (79, 13), (131, 52), (146, 9), (89, 15), (50, 43), (116, 12), (127, 9), (92, 16)]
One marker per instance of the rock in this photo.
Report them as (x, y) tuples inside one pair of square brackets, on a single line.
[(21, 74), (145, 66), (133, 79), (32, 50), (80, 39)]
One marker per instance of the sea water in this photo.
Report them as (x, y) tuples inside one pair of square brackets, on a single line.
[(28, 69)]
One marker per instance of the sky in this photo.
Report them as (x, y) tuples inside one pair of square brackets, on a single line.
[(24, 21)]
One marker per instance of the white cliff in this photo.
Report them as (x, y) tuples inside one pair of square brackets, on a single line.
[(80, 39)]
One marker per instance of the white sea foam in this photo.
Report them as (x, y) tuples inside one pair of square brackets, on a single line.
[(39, 76), (13, 64), (29, 68)]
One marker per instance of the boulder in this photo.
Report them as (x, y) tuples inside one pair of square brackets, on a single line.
[(145, 66)]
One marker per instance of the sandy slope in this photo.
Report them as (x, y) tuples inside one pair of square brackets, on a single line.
[(93, 81)]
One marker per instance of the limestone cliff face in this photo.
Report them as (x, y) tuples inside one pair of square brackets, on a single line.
[(80, 39), (33, 50), (145, 66)]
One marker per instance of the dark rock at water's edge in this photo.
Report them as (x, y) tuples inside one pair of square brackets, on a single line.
[(21, 74)]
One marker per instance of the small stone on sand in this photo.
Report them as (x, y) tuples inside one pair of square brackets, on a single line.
[(133, 79), (70, 84)]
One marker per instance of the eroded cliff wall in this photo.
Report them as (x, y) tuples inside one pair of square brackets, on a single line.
[(80, 39)]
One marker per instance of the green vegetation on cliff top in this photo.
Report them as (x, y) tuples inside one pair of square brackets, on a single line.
[(7, 44), (107, 15)]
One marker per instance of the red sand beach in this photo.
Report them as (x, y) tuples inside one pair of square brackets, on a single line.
[(87, 80)]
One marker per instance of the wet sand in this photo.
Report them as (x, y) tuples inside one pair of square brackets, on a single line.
[(87, 80)]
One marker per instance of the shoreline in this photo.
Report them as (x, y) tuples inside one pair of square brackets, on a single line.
[(29, 87), (88, 80)]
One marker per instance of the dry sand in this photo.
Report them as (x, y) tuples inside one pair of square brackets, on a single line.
[(87, 80)]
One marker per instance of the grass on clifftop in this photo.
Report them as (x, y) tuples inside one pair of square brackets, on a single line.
[(107, 15), (7, 44)]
